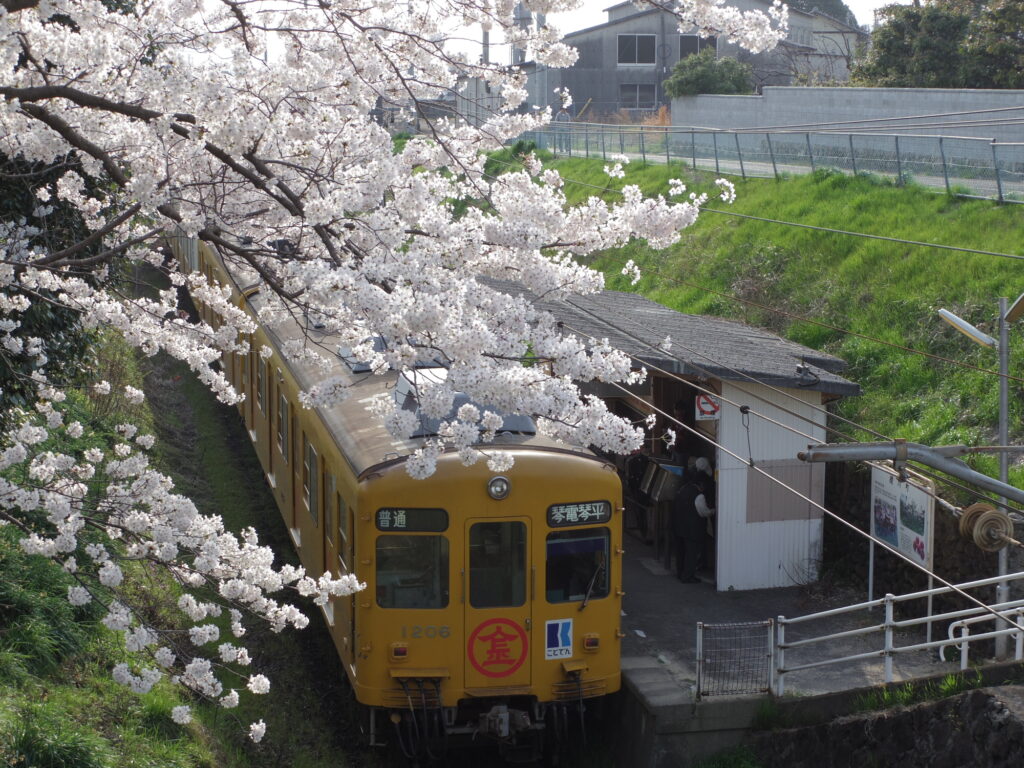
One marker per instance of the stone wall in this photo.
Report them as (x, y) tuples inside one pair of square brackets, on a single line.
[(984, 727)]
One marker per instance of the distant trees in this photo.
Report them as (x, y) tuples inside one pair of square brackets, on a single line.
[(947, 44), (837, 9), (704, 73), (994, 48)]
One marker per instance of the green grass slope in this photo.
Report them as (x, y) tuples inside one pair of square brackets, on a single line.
[(772, 275)]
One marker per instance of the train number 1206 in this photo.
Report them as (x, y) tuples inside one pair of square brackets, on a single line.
[(417, 631)]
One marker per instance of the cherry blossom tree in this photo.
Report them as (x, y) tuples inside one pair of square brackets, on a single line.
[(253, 125)]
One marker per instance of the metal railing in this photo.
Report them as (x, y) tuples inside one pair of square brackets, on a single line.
[(959, 630), (734, 658), (961, 165)]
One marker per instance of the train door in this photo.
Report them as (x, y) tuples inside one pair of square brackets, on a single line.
[(498, 603)]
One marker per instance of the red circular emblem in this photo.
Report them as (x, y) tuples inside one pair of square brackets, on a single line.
[(497, 647)]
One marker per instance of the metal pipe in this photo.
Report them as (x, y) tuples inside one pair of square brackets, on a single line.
[(1003, 589), (938, 458)]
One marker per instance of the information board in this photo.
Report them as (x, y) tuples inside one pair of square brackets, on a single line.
[(903, 513)]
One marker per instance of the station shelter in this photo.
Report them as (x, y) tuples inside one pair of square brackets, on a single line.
[(753, 401)]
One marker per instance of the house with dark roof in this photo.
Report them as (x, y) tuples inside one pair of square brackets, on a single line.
[(624, 61), (750, 401)]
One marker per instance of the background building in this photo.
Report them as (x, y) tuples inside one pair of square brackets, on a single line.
[(623, 62)]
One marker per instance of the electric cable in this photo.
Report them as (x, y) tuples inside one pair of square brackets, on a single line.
[(970, 491), (818, 409), (763, 128), (808, 320), (708, 439)]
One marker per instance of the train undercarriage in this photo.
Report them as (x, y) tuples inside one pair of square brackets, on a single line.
[(521, 729)]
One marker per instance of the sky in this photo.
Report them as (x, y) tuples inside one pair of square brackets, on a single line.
[(592, 13)]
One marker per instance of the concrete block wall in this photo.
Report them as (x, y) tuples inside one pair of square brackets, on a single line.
[(782, 106)]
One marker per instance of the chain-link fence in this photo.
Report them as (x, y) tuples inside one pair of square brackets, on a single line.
[(964, 166), (734, 658)]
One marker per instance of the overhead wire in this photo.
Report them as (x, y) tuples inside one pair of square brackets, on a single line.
[(819, 323), (802, 417), (790, 126), (771, 478), (951, 361)]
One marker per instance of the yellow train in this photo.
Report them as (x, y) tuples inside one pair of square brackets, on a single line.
[(492, 603)]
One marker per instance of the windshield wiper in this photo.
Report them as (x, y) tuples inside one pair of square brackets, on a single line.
[(592, 584)]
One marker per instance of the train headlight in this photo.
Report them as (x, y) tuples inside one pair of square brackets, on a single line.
[(498, 487), (399, 651)]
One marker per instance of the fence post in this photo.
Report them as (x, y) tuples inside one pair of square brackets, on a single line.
[(693, 148), (586, 139), (668, 153), (810, 152), (622, 147), (945, 170), (714, 139), (1019, 637), (771, 654), (899, 163), (604, 155), (995, 166), (739, 153), (700, 657), (853, 156), (965, 647), (780, 658), (771, 153), (889, 598)]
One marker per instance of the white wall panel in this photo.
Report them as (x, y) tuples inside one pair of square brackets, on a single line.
[(765, 554)]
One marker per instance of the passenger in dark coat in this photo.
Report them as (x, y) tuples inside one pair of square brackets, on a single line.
[(693, 505)]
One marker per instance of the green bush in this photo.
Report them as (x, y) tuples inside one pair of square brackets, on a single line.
[(704, 73), (41, 736)]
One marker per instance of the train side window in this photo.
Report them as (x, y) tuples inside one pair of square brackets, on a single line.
[(283, 414), (261, 383), (309, 477), (497, 564), (412, 571), (330, 510), (342, 520), (577, 565)]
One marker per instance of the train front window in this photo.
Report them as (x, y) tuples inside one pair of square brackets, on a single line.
[(497, 564), (412, 571), (577, 565)]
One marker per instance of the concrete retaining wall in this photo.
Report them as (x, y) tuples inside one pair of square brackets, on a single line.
[(781, 106)]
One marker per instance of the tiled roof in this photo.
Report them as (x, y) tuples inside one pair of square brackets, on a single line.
[(700, 346)]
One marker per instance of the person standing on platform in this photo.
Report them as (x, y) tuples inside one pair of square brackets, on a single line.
[(692, 507)]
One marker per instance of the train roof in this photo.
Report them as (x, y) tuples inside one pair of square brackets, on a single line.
[(361, 436)]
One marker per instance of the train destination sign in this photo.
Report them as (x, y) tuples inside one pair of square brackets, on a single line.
[(411, 519), (582, 513)]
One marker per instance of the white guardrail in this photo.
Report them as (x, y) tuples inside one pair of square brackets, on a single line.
[(959, 630)]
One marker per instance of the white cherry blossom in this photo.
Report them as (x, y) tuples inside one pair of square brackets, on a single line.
[(256, 129)]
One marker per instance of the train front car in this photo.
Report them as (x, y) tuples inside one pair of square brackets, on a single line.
[(493, 602)]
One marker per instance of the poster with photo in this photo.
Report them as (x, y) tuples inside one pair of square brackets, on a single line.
[(903, 513)]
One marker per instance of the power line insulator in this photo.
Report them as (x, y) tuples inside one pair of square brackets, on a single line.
[(992, 529), (970, 515)]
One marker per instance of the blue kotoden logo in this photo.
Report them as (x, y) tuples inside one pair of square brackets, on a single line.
[(558, 639)]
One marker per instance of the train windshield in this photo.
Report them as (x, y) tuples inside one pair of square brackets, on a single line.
[(407, 396), (577, 565), (497, 564), (412, 571)]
